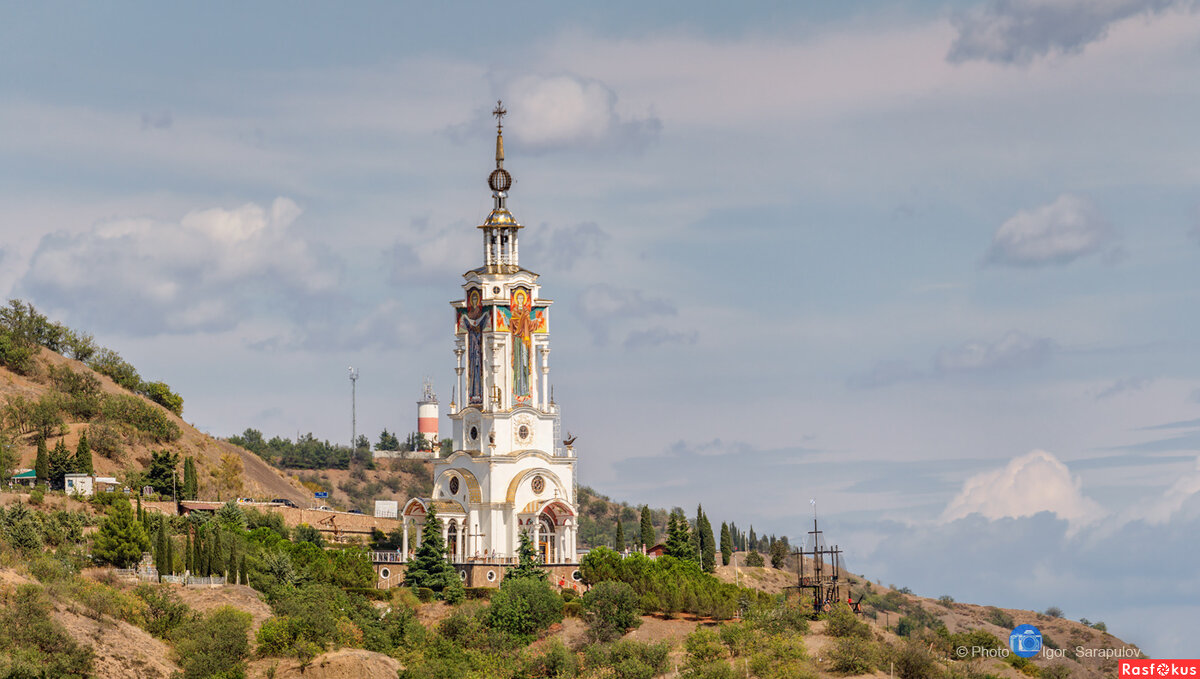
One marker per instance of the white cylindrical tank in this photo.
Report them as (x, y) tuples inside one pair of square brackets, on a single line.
[(427, 417)]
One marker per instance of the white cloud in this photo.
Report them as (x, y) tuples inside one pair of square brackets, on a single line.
[(1033, 483), (1013, 350), (565, 111), (1169, 503), (207, 272), (1057, 233), (1018, 31)]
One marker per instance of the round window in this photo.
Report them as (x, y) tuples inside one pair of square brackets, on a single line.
[(462, 575), (491, 576), (539, 484), (496, 290), (385, 573), (576, 576), (454, 485)]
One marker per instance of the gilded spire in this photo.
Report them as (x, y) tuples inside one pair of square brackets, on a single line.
[(499, 112)]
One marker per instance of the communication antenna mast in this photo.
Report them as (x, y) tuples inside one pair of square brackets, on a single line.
[(353, 413)]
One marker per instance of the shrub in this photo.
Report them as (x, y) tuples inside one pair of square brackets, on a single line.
[(717, 669), (37, 495), (852, 655), (611, 609), (484, 593), (703, 646), (555, 660), (524, 607), (912, 661), (843, 623), (165, 611), (425, 594), (133, 411), (999, 618), (33, 643), (1054, 612), (946, 600), (215, 645), (573, 609), (628, 659), (161, 394), (780, 656), (754, 560), (105, 440)]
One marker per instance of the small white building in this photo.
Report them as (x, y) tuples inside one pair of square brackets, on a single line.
[(87, 485)]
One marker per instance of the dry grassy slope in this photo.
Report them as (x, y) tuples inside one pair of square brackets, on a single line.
[(958, 617), (408, 484), (259, 478)]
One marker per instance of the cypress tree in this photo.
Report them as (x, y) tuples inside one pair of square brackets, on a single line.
[(189, 479), (708, 547), (726, 544), (243, 576), (42, 465), (160, 549), (215, 565), (694, 537), (619, 541), (83, 456), (647, 528), (231, 567), (140, 516), (170, 550), (752, 542)]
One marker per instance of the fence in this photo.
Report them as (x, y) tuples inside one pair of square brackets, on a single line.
[(151, 575)]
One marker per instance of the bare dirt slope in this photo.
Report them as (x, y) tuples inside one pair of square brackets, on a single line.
[(259, 479), (241, 597), (347, 663), (122, 650)]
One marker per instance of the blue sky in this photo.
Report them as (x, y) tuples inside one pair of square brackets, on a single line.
[(932, 264)]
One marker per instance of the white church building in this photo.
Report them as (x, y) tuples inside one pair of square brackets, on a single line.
[(510, 472)]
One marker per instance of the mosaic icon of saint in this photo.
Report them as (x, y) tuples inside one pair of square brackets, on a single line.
[(475, 319), (522, 325)]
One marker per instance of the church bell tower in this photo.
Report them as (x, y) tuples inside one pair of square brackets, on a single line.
[(509, 472)]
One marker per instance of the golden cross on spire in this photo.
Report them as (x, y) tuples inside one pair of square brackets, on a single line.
[(499, 112)]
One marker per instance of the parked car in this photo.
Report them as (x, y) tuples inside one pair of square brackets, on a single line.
[(284, 501), (354, 511)]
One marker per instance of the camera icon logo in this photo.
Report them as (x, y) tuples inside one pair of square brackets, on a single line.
[(1025, 641)]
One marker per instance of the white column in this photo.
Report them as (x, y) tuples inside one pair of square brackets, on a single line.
[(515, 253), (537, 533), (404, 543), (445, 532)]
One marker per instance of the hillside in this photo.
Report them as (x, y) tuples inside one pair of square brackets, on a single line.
[(258, 479)]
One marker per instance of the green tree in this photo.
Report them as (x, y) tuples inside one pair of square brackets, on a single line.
[(161, 473), (162, 547), (8, 456), (647, 528), (524, 606), (41, 464), (679, 539), (754, 559), (726, 544), (387, 441), (121, 539), (161, 394), (612, 609), (83, 456), (61, 464), (619, 540), (527, 560), (190, 482), (429, 567), (214, 646), (779, 553), (708, 546)]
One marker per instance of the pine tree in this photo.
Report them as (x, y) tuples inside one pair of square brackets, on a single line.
[(527, 561), (61, 464), (726, 544), (647, 528), (708, 546), (429, 567), (619, 541), (42, 465), (83, 456), (121, 539), (679, 540)]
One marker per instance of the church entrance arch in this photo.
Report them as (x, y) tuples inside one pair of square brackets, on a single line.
[(546, 540)]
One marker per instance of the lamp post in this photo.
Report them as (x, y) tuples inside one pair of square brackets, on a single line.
[(353, 414)]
